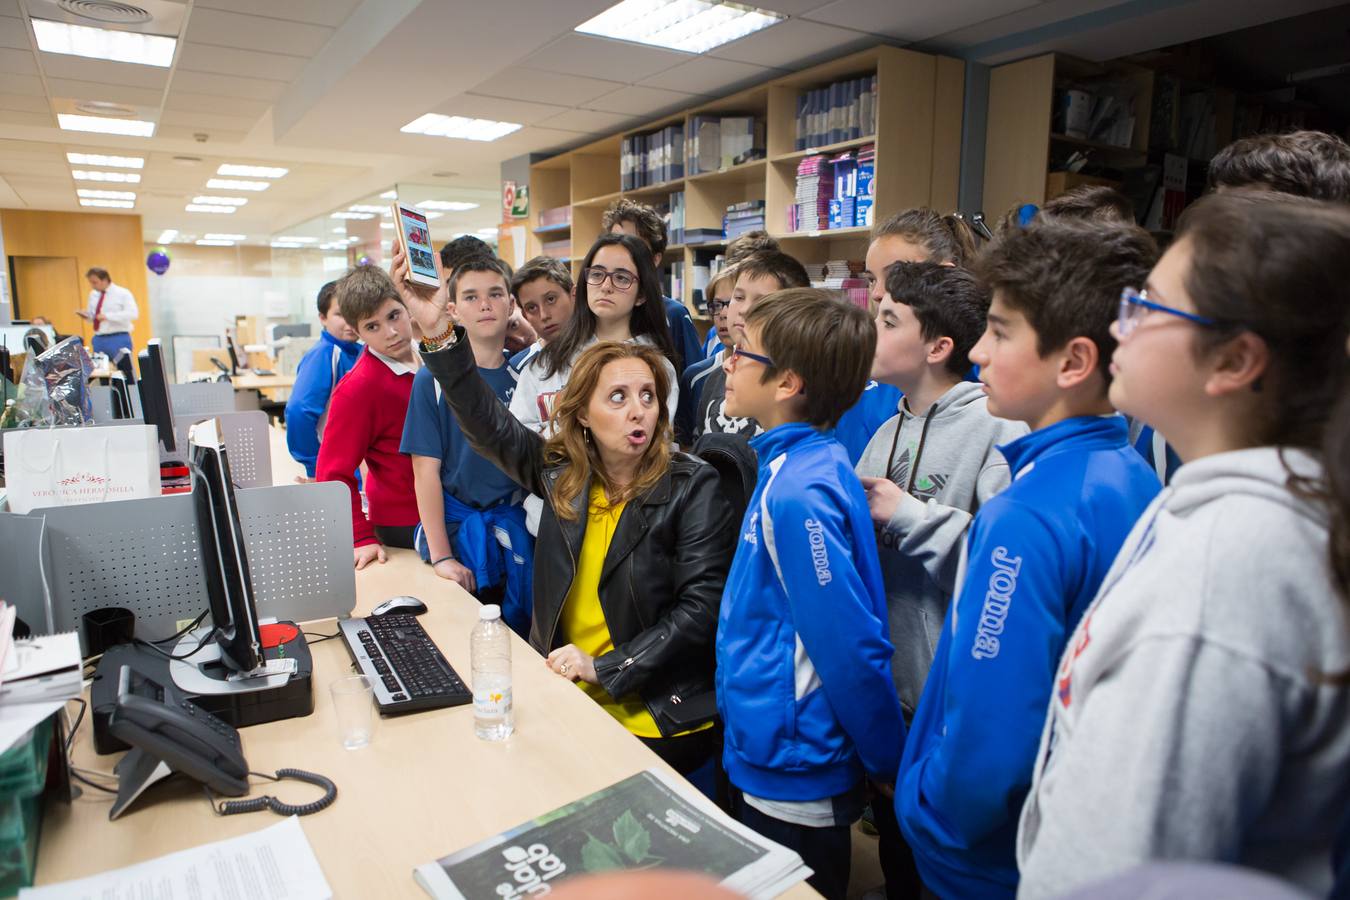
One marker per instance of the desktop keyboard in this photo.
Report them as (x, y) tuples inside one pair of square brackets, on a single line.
[(407, 670)]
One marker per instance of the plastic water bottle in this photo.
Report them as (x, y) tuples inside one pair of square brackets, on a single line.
[(490, 656)]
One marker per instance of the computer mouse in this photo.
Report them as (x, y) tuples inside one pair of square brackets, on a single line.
[(407, 605)]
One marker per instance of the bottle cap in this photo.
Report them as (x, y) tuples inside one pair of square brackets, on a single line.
[(489, 612)]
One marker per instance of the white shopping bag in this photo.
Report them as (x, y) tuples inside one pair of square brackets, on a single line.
[(67, 466)]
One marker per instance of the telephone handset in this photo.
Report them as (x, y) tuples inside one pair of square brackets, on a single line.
[(169, 734)]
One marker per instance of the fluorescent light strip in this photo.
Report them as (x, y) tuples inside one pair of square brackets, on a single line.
[(433, 215), (225, 237), (106, 195), (221, 201), (251, 171), (389, 195), (204, 208), (297, 240), (228, 184), (107, 177), (209, 243), (112, 162), (389, 225), (450, 205), (111, 204), (345, 214), (287, 245), (691, 26), (131, 127), (101, 43), (167, 236), (368, 208), (437, 125)]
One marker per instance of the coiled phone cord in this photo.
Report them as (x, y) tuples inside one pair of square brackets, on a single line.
[(254, 804)]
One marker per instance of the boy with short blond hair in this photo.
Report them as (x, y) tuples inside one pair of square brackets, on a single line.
[(365, 420), (803, 656)]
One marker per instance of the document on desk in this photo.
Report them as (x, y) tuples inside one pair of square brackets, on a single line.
[(276, 863)]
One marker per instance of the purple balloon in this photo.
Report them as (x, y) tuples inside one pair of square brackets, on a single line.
[(158, 261)]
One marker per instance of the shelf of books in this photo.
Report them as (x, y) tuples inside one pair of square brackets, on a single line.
[(813, 158)]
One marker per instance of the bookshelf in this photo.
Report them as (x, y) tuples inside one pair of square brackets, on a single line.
[(918, 107), (1026, 142)]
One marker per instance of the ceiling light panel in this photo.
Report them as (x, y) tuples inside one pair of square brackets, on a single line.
[(110, 204), (107, 195), (221, 201), (97, 124), (167, 236), (348, 214), (287, 245), (251, 171), (111, 162), (436, 125), (224, 237), (213, 243), (229, 184), (692, 26), (109, 177), (367, 208), (297, 240), (389, 195), (207, 208), (101, 43)]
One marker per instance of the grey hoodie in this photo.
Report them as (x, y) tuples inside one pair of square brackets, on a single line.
[(1188, 720), (919, 549)]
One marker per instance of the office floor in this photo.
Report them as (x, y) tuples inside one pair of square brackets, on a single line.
[(865, 879)]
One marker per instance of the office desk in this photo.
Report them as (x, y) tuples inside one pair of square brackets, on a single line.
[(423, 788)]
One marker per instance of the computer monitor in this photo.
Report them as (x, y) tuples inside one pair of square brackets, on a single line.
[(123, 362), (121, 397), (234, 356), (229, 587), (289, 330), (156, 407)]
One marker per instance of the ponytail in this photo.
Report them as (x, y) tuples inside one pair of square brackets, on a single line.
[(946, 239)]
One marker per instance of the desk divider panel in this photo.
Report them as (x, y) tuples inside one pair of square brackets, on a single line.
[(247, 443), (201, 398), (25, 563), (144, 555)]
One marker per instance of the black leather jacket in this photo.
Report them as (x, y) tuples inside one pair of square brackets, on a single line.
[(662, 580)]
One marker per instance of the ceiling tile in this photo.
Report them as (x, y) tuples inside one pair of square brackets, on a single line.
[(8, 198), (111, 93), (14, 33), (794, 43), (25, 102), (648, 102), (38, 168), (17, 62), (229, 106), (228, 86), (790, 7), (189, 132), (100, 71), (499, 109), (204, 120), (916, 21), (230, 61), (520, 83), (230, 29), (595, 57), (28, 85), (590, 121), (316, 12), (708, 75), (19, 117), (10, 8)]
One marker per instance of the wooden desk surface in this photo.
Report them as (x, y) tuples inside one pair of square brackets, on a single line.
[(425, 786), (247, 381)]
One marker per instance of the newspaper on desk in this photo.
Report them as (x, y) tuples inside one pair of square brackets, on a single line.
[(649, 820), (276, 862)]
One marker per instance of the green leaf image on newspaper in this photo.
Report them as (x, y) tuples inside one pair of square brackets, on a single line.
[(631, 848)]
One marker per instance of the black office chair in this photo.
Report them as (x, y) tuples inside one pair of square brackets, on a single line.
[(736, 465)]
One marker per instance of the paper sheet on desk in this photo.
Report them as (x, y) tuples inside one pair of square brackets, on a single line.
[(276, 863), (17, 719)]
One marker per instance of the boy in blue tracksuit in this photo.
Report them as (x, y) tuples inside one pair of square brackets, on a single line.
[(319, 371), (803, 655), (1036, 552)]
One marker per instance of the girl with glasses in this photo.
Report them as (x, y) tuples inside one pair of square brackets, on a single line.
[(1200, 708)]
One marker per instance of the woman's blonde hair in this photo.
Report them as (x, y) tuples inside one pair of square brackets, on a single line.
[(571, 447)]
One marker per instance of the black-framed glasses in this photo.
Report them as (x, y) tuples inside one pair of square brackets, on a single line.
[(1135, 305), (739, 352), (716, 306), (622, 279)]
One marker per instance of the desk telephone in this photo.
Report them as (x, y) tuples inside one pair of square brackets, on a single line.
[(169, 733)]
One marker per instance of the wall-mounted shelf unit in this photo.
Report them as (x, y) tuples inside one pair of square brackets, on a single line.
[(918, 109)]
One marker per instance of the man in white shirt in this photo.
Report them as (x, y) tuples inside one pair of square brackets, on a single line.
[(112, 309)]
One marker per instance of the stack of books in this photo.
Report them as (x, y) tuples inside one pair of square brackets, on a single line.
[(864, 180), (560, 215), (557, 249), (843, 111), (842, 275), (651, 158), (815, 189), (675, 223), (719, 142), (742, 218), (703, 236)]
